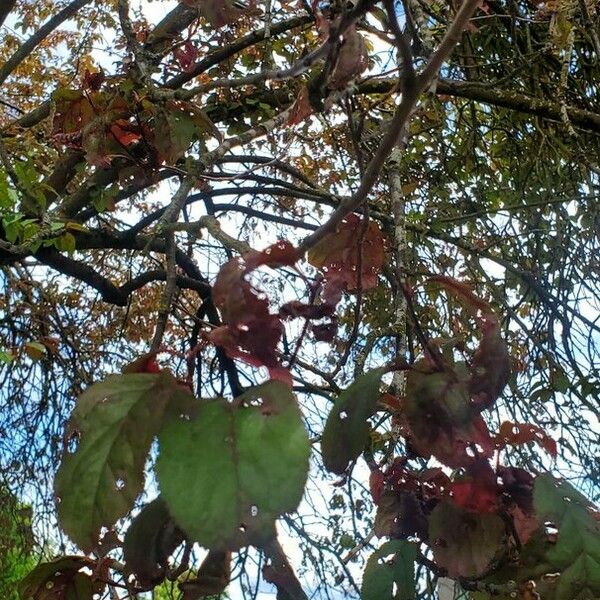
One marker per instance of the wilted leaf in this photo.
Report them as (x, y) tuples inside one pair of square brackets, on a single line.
[(228, 472), (186, 56), (376, 483), (60, 579), (465, 543), (150, 540), (490, 366), (217, 12), (347, 429), (400, 515), (353, 59), (251, 332), (351, 257), (114, 422), (515, 434), (35, 350), (441, 418), (392, 566), (301, 107)]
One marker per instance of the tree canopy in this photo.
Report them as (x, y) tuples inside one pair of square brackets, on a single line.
[(302, 296)]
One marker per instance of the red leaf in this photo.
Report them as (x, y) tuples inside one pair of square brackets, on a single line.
[(376, 483), (295, 308), (124, 132), (478, 490), (93, 81), (251, 332), (143, 364), (464, 293), (280, 254), (350, 258), (325, 332), (516, 434), (186, 56)]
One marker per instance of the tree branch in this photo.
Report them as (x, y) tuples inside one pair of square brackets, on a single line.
[(410, 95), (5, 9), (493, 96), (44, 31)]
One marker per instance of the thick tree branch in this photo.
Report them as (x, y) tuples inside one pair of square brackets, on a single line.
[(5, 8), (494, 96)]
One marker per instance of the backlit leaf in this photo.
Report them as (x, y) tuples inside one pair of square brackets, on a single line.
[(351, 257), (150, 540), (576, 553), (228, 471), (60, 579), (390, 572), (114, 423), (465, 543), (347, 429)]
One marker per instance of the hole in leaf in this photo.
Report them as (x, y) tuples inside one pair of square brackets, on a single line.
[(49, 585), (242, 528), (73, 443), (254, 510), (86, 571), (470, 452), (184, 417), (120, 484), (105, 399), (343, 415)]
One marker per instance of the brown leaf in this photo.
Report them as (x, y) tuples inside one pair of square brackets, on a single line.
[(217, 12), (490, 366), (212, 578), (350, 258), (353, 59), (301, 107)]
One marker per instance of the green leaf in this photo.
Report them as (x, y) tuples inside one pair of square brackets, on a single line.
[(6, 357), (150, 540), (463, 542), (227, 472), (576, 553), (347, 430), (382, 575), (116, 421)]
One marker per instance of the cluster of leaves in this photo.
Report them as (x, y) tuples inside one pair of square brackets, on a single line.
[(228, 469)]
